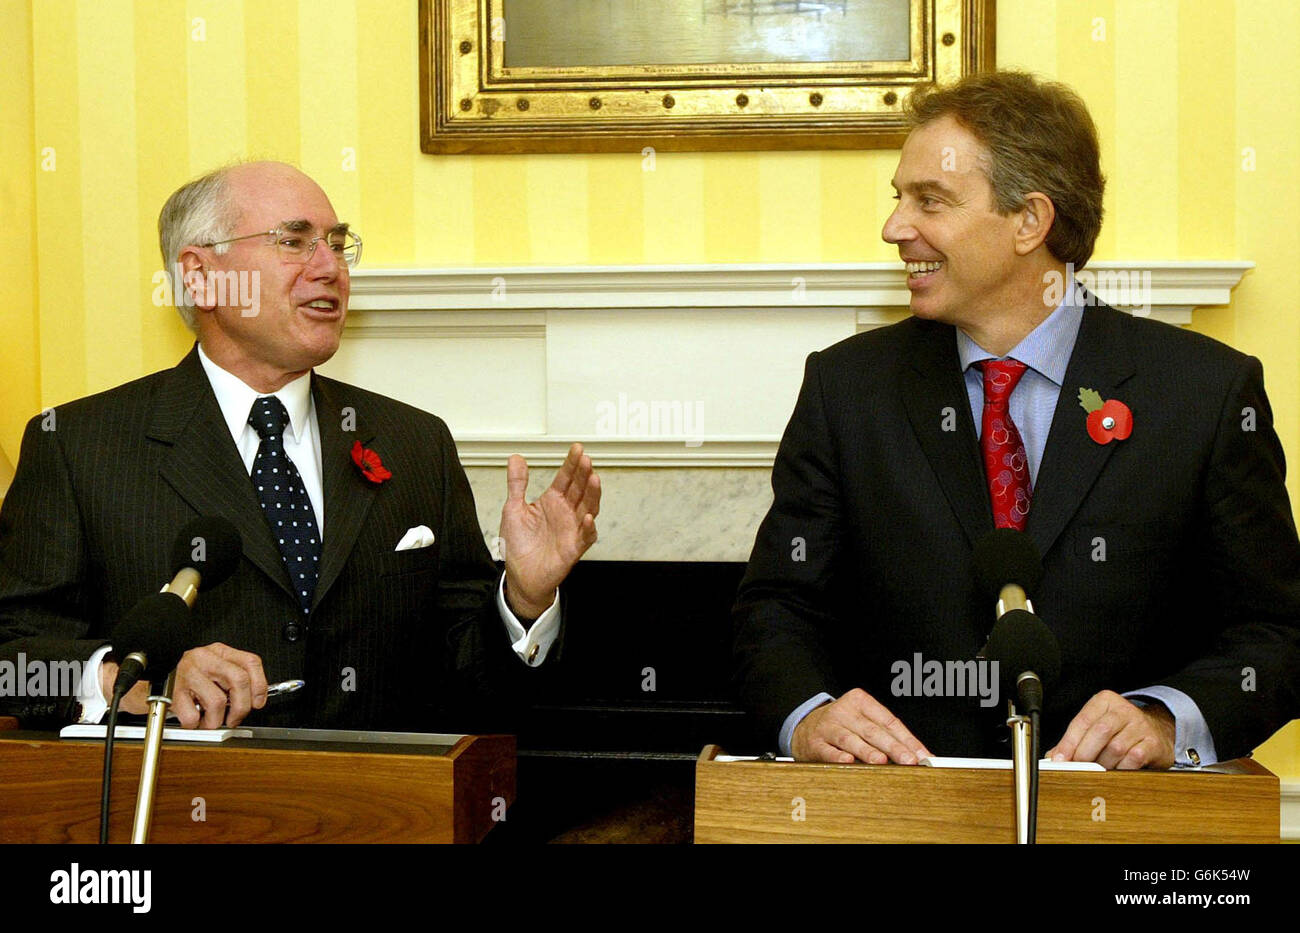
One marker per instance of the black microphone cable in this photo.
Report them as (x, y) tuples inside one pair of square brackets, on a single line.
[(106, 779)]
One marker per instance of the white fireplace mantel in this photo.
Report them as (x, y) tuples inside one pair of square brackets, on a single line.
[(1175, 288), (521, 359)]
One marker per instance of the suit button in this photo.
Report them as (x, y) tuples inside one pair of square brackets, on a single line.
[(292, 631)]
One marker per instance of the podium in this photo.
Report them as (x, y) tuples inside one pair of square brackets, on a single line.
[(281, 785), (772, 801)]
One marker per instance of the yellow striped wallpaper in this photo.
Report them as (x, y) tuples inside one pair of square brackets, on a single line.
[(111, 104)]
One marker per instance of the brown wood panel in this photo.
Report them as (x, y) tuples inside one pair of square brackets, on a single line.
[(256, 794), (484, 773), (759, 802)]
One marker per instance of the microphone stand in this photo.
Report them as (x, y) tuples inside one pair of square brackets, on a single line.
[(1024, 756), (185, 585), (158, 704), (1024, 764)]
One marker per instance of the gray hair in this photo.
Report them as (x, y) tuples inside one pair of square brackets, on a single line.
[(200, 211)]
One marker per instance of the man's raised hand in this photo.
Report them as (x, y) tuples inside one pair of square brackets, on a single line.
[(545, 538)]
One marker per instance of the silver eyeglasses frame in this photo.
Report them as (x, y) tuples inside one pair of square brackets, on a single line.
[(302, 255)]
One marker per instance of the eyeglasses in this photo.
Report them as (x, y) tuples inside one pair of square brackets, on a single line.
[(297, 249)]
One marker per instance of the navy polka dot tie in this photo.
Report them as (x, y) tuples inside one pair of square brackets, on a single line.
[(284, 499)]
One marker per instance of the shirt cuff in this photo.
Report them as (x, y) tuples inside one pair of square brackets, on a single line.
[(1193, 744), (532, 644), (793, 720), (91, 693)]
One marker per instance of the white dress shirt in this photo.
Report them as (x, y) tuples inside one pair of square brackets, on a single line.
[(302, 446)]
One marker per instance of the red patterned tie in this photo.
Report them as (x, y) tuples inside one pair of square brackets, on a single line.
[(1005, 464)]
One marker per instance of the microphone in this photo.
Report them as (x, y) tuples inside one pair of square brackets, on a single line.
[(155, 630), (1008, 568), (1029, 663), (1028, 658), (206, 551), (1026, 652)]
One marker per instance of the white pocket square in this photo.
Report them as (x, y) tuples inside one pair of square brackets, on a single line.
[(418, 537)]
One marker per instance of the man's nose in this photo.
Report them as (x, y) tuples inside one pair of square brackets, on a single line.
[(896, 230), (323, 263)]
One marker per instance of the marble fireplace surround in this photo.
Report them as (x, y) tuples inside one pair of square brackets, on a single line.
[(678, 379)]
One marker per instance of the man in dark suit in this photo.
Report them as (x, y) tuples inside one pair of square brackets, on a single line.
[(364, 571), (1171, 563)]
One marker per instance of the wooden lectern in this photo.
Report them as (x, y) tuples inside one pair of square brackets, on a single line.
[(283, 785), (772, 801)]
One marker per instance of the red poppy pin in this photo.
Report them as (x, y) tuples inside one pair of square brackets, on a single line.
[(368, 462), (1107, 421)]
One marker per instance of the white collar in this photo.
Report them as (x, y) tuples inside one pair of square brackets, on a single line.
[(236, 398)]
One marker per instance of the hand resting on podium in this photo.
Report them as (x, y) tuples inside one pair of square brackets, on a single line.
[(856, 727), (1118, 735), (216, 686), (1109, 730)]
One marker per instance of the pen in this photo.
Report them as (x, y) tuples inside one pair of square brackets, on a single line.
[(285, 686)]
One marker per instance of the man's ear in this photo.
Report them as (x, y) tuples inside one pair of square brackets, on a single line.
[(1036, 219), (195, 279)]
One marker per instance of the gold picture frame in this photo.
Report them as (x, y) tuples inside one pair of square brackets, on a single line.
[(485, 89)]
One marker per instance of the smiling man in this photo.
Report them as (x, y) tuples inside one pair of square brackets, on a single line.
[(1171, 563), (364, 572)]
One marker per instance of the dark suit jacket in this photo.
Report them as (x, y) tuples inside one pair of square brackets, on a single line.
[(1202, 572), (88, 524)]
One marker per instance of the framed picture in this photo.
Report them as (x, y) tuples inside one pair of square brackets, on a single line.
[(620, 75)]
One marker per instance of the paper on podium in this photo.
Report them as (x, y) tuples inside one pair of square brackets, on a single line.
[(87, 730), (1004, 764), (936, 761)]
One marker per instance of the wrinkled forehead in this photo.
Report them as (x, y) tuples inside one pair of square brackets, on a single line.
[(268, 196)]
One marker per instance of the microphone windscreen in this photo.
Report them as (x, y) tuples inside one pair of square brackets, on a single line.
[(211, 545), (158, 626), (1021, 642), (1004, 556)]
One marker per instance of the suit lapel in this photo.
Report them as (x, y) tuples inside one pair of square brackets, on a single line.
[(348, 496), (932, 383), (204, 466), (1072, 460)]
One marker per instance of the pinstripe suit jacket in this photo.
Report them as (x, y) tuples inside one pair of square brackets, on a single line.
[(396, 640)]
